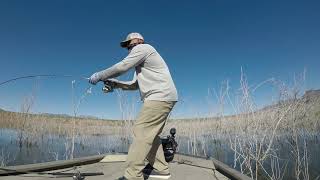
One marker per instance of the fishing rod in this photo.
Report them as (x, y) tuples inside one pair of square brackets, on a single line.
[(108, 85), (75, 175), (41, 75)]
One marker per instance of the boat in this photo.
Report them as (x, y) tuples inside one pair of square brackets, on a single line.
[(112, 166)]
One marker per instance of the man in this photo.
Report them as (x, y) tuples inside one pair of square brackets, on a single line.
[(158, 93)]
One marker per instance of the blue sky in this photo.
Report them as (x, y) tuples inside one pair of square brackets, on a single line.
[(203, 43)]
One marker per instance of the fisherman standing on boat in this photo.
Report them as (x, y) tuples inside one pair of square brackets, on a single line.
[(159, 95)]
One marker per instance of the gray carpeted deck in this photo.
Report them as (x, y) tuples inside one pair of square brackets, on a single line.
[(182, 168)]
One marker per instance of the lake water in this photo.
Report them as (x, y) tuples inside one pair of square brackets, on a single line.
[(54, 147)]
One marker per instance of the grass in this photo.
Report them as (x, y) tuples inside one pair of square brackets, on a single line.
[(58, 124)]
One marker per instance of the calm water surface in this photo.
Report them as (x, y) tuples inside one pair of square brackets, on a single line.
[(54, 147)]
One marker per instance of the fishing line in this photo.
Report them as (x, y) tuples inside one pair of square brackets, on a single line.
[(88, 90), (41, 75)]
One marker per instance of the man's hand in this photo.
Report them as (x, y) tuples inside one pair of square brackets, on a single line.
[(95, 78)]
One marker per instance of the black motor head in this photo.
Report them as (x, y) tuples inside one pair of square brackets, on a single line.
[(173, 131)]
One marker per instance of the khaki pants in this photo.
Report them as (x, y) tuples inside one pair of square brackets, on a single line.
[(146, 141)]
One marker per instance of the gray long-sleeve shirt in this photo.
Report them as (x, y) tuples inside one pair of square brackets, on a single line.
[(152, 75)]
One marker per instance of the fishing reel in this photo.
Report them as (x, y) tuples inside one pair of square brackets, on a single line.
[(108, 86), (169, 145)]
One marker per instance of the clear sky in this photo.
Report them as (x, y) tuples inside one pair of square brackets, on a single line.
[(203, 43)]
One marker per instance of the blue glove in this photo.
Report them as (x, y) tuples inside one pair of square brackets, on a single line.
[(95, 78)]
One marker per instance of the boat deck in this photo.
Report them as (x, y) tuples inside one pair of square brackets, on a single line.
[(113, 166)]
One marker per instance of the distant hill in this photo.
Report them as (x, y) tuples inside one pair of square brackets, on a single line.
[(56, 115), (310, 97), (50, 115), (69, 116), (311, 94)]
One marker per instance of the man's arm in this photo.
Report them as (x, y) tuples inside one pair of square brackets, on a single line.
[(135, 57), (126, 85)]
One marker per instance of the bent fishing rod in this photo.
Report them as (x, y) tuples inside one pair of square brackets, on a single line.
[(108, 86), (41, 76)]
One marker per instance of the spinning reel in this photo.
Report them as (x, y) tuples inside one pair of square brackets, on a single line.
[(108, 86)]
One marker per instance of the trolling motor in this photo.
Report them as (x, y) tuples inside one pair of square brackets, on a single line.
[(169, 145)]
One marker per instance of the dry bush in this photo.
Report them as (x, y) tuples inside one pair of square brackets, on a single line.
[(257, 136)]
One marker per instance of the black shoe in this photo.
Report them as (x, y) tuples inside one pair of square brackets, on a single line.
[(159, 175), (149, 171), (122, 178)]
